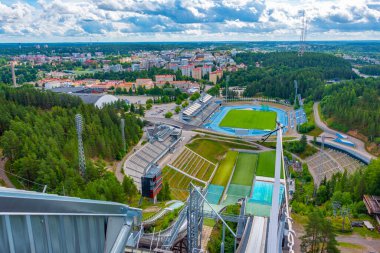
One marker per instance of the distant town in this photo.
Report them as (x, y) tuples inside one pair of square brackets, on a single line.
[(189, 69)]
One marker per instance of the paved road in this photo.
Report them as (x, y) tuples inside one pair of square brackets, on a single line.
[(3, 175), (360, 146), (368, 244)]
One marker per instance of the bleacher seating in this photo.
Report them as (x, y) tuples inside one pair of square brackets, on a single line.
[(141, 161), (327, 163)]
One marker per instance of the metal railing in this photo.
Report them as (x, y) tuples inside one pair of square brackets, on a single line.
[(37, 222)]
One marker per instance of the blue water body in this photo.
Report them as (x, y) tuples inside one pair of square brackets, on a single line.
[(263, 191), (217, 117), (214, 192)]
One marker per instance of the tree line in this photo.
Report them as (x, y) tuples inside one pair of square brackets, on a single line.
[(275, 75), (373, 70), (354, 105), (347, 189), (38, 135)]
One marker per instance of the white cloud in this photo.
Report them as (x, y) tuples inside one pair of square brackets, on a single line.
[(57, 20)]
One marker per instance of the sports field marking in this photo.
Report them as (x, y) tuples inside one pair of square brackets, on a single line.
[(192, 163), (184, 173), (249, 119), (200, 156)]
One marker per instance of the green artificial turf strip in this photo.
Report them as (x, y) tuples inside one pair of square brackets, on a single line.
[(266, 164), (249, 119), (225, 168), (245, 169)]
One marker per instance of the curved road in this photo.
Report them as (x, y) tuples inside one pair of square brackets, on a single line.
[(359, 145)]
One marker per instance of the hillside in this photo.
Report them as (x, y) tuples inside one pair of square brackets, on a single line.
[(38, 136)]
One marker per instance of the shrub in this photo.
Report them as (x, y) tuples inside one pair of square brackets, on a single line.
[(168, 115)]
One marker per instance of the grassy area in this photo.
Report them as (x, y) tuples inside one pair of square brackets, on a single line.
[(349, 245), (214, 150), (195, 166), (225, 168), (147, 215), (315, 132), (249, 119), (308, 108), (245, 169), (164, 222), (213, 245), (209, 222), (179, 183)]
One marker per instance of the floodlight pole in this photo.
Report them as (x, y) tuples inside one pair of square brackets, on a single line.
[(79, 127), (122, 126), (227, 80)]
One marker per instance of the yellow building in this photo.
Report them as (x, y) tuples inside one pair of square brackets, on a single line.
[(215, 76)]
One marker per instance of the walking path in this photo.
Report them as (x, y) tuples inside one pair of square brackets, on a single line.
[(206, 234)]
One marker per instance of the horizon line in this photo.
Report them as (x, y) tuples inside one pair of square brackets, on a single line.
[(201, 41)]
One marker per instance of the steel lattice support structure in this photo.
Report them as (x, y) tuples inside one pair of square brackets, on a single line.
[(303, 35), (194, 220), (122, 126), (81, 157)]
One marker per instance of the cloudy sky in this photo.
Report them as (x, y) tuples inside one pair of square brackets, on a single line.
[(186, 20)]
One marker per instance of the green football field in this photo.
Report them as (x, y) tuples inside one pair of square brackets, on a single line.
[(249, 119), (245, 169)]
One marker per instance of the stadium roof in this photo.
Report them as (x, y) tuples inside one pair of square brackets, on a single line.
[(97, 100), (205, 98), (189, 111), (68, 89)]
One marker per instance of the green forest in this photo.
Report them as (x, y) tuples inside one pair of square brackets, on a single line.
[(346, 189), (277, 72), (38, 136), (370, 70), (354, 105)]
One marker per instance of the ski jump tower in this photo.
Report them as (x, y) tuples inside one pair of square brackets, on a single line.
[(82, 161)]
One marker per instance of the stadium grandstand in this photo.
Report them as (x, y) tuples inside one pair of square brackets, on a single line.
[(297, 117), (326, 163), (162, 139), (199, 110)]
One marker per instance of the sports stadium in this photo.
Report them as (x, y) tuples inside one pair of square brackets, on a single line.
[(246, 120)]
